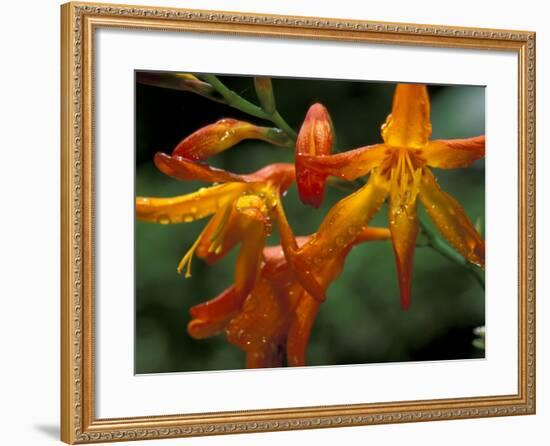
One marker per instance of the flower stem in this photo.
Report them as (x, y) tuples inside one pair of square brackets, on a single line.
[(234, 100), (435, 242)]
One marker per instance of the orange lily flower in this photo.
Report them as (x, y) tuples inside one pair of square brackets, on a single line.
[(243, 210), (400, 168), (257, 201), (243, 207), (276, 319)]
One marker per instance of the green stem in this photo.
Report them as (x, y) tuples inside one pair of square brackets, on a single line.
[(234, 100), (435, 242)]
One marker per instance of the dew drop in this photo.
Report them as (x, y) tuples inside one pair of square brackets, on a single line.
[(164, 219)]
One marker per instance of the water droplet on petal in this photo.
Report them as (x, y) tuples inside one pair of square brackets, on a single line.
[(164, 219)]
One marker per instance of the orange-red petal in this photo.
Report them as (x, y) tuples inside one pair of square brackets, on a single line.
[(404, 230), (186, 169), (453, 153), (211, 317), (347, 165), (300, 329), (451, 220), (409, 124), (260, 328), (280, 175)]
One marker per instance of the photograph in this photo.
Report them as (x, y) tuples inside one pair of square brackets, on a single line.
[(255, 204), (306, 222)]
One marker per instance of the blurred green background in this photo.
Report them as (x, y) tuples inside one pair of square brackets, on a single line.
[(361, 321)]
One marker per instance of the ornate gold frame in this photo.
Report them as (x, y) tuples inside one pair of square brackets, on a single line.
[(78, 423)]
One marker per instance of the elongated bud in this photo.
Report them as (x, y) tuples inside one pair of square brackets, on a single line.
[(223, 134), (264, 91), (179, 81), (315, 138)]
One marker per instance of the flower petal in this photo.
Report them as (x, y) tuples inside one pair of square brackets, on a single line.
[(260, 327), (451, 220), (346, 221), (185, 169), (453, 153), (190, 207), (281, 175), (408, 125), (290, 247), (300, 329), (315, 138), (404, 230), (211, 317), (247, 269), (347, 165), (223, 134)]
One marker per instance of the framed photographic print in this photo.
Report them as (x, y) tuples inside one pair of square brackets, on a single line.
[(275, 223)]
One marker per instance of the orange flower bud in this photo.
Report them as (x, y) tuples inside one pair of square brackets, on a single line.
[(315, 138), (223, 134), (179, 81), (264, 91)]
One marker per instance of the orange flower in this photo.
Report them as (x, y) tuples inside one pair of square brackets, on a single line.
[(399, 168), (243, 211), (276, 319)]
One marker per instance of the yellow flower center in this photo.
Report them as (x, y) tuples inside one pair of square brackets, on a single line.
[(404, 171)]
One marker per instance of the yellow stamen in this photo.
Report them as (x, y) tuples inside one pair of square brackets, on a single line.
[(188, 257), (216, 241)]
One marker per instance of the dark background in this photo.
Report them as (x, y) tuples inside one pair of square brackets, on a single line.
[(361, 321)]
